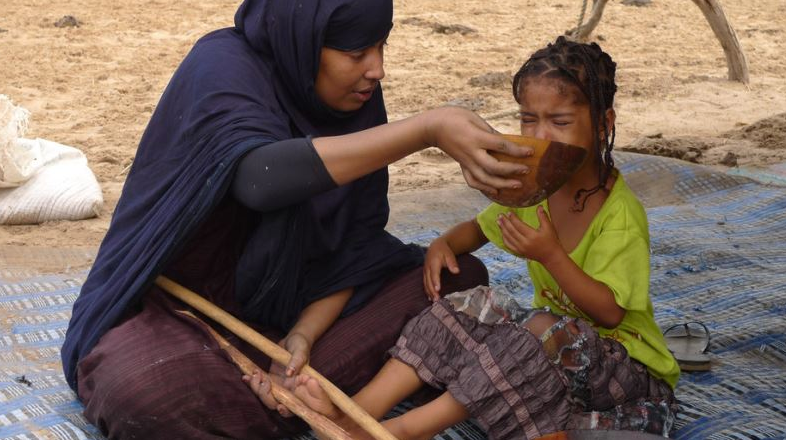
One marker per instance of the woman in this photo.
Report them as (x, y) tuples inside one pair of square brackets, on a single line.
[(261, 183)]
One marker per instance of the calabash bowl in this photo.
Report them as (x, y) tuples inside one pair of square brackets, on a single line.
[(550, 166)]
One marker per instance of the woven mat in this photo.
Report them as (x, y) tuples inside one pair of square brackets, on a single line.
[(718, 256)]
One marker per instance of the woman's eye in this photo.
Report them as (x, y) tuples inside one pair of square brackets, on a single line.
[(527, 121), (561, 123)]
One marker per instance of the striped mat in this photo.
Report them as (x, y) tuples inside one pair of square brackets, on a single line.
[(718, 256)]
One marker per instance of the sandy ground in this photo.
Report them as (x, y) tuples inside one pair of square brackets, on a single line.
[(94, 85)]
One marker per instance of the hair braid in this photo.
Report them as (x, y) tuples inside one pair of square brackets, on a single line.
[(592, 71)]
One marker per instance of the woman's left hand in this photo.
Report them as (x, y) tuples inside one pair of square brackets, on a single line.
[(534, 244)]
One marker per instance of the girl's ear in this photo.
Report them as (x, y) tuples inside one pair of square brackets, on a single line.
[(609, 118)]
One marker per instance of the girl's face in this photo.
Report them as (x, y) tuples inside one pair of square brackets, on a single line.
[(346, 80), (555, 110)]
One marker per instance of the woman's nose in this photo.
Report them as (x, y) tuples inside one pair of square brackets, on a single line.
[(375, 69)]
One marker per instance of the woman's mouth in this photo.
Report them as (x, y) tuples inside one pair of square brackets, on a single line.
[(365, 94)]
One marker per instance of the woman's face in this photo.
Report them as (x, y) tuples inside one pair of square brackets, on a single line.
[(346, 80)]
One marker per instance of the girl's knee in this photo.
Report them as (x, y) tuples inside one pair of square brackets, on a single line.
[(539, 323)]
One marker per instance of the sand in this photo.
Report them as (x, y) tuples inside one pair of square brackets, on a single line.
[(91, 73)]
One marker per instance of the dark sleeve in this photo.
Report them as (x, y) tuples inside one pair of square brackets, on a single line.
[(280, 174)]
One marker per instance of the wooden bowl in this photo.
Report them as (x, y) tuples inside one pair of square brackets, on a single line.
[(551, 166)]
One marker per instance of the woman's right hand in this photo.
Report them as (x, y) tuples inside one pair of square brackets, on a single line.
[(261, 384), (438, 256), (467, 138)]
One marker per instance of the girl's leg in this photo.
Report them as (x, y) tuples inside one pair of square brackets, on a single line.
[(394, 383), (425, 422), (391, 385)]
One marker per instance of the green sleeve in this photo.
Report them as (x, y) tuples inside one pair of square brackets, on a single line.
[(620, 257), (487, 220)]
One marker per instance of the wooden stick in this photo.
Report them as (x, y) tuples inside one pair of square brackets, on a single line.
[(316, 420), (278, 354)]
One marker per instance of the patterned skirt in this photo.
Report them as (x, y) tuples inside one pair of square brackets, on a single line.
[(519, 386)]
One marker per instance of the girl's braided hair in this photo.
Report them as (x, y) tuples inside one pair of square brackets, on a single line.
[(592, 71)]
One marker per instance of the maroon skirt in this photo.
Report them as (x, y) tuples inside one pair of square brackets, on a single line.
[(159, 375)]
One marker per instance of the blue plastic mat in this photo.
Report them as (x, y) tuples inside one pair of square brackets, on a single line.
[(718, 256)]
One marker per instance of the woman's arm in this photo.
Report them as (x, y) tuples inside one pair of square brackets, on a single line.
[(460, 133), (313, 322)]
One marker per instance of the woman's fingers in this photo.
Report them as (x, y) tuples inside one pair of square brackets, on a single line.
[(300, 349), (260, 385), (474, 182), (512, 149)]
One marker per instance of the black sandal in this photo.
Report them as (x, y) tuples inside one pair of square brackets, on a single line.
[(689, 342)]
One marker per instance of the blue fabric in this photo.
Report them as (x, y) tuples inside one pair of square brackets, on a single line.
[(238, 89)]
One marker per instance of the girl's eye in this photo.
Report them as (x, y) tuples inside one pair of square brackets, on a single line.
[(527, 120), (561, 123)]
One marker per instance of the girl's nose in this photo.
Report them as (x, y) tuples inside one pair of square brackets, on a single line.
[(542, 131)]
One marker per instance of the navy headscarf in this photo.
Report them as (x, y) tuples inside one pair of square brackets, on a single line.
[(238, 89)]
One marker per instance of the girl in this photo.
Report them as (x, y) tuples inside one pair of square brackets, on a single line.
[(591, 343)]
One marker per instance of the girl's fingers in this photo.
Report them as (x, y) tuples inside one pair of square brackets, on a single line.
[(509, 244), (513, 227), (428, 279), (545, 220), (451, 263)]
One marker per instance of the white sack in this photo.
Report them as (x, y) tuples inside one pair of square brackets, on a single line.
[(41, 180)]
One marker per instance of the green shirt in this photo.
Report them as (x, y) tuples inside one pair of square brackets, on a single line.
[(615, 250)]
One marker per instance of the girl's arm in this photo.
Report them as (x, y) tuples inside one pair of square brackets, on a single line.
[(591, 296), (460, 239), (460, 133), (542, 245)]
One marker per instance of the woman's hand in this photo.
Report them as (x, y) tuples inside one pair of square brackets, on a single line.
[(261, 384), (438, 256), (535, 244), (299, 346), (467, 138)]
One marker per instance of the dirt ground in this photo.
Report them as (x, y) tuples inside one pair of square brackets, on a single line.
[(92, 80)]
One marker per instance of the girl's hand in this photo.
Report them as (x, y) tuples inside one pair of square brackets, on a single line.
[(535, 244), (438, 256), (467, 138)]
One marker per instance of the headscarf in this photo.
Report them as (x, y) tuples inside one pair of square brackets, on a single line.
[(238, 89)]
